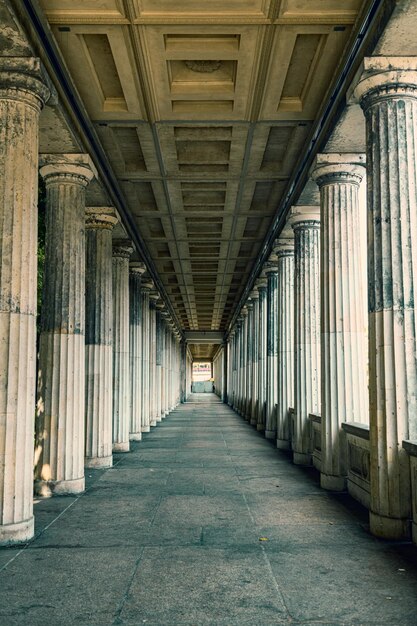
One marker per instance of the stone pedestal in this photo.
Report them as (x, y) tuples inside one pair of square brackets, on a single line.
[(262, 285), (344, 384), (306, 224), (61, 380), (22, 95), (99, 337), (136, 269), (122, 249), (145, 290), (388, 96), (271, 270), (285, 370)]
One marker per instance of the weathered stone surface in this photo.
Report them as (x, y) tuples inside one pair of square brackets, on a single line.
[(306, 224), (285, 323), (61, 378), (22, 95), (122, 249), (271, 270), (344, 384), (136, 269), (388, 96), (99, 336)]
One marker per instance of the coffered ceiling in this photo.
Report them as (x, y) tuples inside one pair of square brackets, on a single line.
[(203, 110)]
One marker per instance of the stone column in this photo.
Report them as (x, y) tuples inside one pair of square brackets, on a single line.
[(22, 95), (61, 380), (262, 285), (153, 298), (243, 360), (237, 364), (145, 291), (306, 224), (136, 269), (163, 363), (99, 336), (255, 357), (344, 383), (388, 96), (249, 350), (122, 249), (158, 361), (271, 270), (285, 254)]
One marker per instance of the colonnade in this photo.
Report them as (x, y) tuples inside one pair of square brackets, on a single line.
[(327, 391), (109, 351)]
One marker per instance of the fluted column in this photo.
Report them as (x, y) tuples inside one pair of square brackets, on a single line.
[(145, 291), (122, 249), (344, 384), (285, 373), (163, 361), (255, 357), (388, 96), (158, 361), (271, 270), (262, 285), (249, 350), (99, 336), (22, 95), (243, 359), (306, 224), (153, 298), (61, 380), (136, 269)]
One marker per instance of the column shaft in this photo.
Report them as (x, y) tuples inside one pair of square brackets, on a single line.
[(61, 380), (146, 426), (389, 99), (136, 269), (343, 325), (272, 351), (263, 317), (98, 337), (122, 250), (22, 94), (285, 400), (306, 225)]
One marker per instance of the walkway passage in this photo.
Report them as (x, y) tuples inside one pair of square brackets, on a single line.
[(205, 523)]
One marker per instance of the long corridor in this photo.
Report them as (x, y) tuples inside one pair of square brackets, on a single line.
[(205, 522)]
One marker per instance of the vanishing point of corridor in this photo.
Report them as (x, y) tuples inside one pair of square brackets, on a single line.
[(205, 522)]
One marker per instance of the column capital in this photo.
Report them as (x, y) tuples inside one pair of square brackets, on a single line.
[(244, 312), (122, 248), (154, 295), (137, 267), (304, 217), (26, 77), (249, 305), (338, 168), (254, 294), (386, 78), (100, 217), (78, 168), (271, 266), (285, 247)]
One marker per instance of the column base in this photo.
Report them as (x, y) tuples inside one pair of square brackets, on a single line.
[(48, 488), (159, 418), (270, 434), (122, 446), (283, 444), (98, 462), (135, 437), (21, 532), (146, 429), (253, 421), (389, 527), (300, 458), (333, 483), (260, 428), (153, 423)]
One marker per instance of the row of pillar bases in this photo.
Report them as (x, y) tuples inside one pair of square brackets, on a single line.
[(103, 336), (319, 354)]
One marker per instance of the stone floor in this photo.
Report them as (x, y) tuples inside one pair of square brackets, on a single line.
[(206, 523)]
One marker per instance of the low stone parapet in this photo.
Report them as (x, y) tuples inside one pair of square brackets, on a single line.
[(411, 448), (315, 432), (358, 461)]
